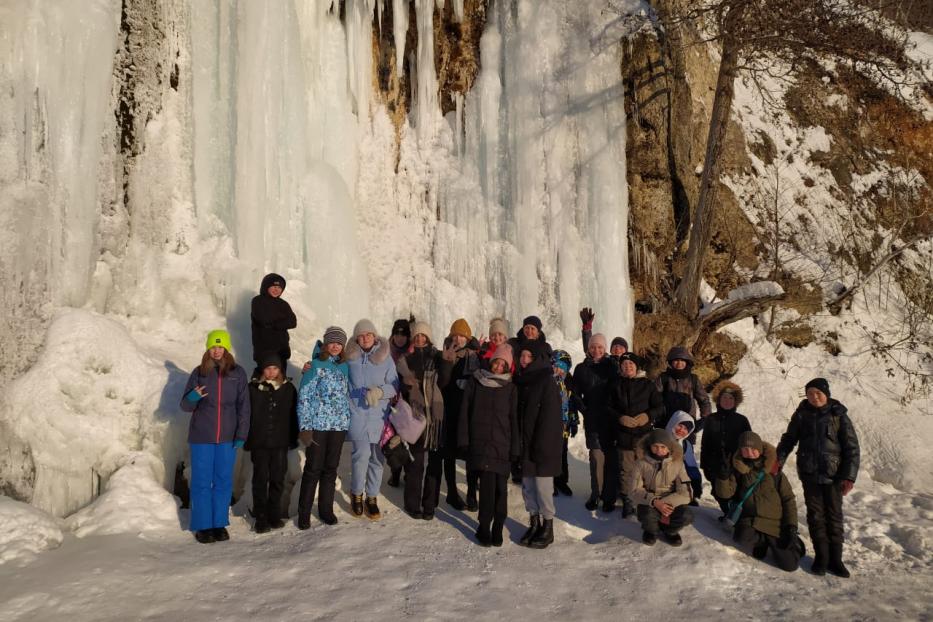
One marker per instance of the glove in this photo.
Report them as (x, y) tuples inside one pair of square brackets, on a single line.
[(587, 316), (238, 443), (573, 430), (628, 422), (373, 395), (788, 536), (306, 437), (847, 485), (193, 396), (776, 468)]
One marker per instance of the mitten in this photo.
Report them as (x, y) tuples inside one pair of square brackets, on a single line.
[(776, 468), (628, 422), (373, 395), (193, 396), (238, 443), (847, 485), (788, 536), (587, 316)]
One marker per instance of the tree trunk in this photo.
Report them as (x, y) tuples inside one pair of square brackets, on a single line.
[(687, 294)]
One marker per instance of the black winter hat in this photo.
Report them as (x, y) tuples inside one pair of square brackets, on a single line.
[(751, 440), (820, 384), (631, 356), (270, 358), (534, 320), (619, 341), (402, 327), (271, 279)]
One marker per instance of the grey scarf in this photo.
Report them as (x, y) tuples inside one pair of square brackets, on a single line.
[(489, 379)]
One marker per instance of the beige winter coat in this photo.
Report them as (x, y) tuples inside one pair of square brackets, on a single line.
[(665, 479)]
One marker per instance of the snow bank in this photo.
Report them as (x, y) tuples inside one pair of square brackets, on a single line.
[(135, 502), (25, 531), (92, 397)]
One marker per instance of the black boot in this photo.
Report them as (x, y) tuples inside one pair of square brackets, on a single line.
[(835, 561), (495, 536), (483, 536), (820, 557), (609, 506), (204, 536), (562, 487), (395, 479), (304, 522), (220, 534), (471, 503), (456, 502), (628, 508), (261, 525), (673, 539), (356, 505), (534, 524), (592, 503), (649, 538), (544, 536), (276, 523)]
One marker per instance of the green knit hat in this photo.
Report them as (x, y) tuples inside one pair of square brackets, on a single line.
[(218, 338)]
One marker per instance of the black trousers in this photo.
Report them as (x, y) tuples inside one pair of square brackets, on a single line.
[(422, 486), (611, 468), (269, 467), (449, 457), (322, 457), (564, 476), (493, 498), (748, 537), (824, 512), (650, 519)]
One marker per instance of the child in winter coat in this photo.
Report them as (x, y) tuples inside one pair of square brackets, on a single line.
[(273, 430), (561, 363), (324, 417), (661, 488), (271, 319), (681, 427), (217, 397), (721, 432), (827, 463), (680, 388), (768, 518), (489, 434), (498, 334)]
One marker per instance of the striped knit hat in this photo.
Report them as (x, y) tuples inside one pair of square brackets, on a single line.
[(335, 334)]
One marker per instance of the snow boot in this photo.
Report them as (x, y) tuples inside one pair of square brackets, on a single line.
[(534, 524), (544, 536), (356, 505), (760, 550), (416, 514), (649, 538), (592, 503), (609, 507), (471, 504), (835, 561), (628, 509), (304, 522), (483, 536), (276, 523), (261, 525), (372, 509), (328, 519), (456, 502), (673, 539), (495, 535), (563, 488), (220, 534), (205, 536), (427, 515), (820, 557)]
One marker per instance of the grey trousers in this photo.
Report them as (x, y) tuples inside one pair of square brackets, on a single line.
[(538, 493)]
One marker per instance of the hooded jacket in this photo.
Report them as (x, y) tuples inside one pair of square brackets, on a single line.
[(721, 431), (488, 423), (630, 397), (324, 395), (271, 319), (666, 479), (680, 416), (273, 415), (423, 374), (681, 389), (828, 448), (367, 370), (223, 415), (772, 504), (539, 418)]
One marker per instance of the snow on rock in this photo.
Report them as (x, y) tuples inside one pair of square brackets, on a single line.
[(749, 291), (25, 531), (92, 397), (135, 501)]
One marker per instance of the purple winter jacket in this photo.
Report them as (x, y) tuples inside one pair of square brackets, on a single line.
[(223, 415)]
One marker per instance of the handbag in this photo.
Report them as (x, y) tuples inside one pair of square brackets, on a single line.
[(407, 425), (735, 509)]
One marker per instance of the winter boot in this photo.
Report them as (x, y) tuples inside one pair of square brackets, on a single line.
[(673, 539), (205, 536), (760, 550), (261, 525), (395, 479), (356, 505), (471, 503), (544, 536), (820, 557), (609, 507), (495, 536), (592, 503), (372, 509), (328, 519), (276, 523), (456, 502), (304, 522), (483, 536), (649, 538), (628, 509), (562, 487), (220, 534), (534, 524), (835, 561)]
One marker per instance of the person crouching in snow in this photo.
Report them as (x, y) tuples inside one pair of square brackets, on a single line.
[(681, 427), (324, 417), (562, 362), (661, 488), (827, 464), (488, 432), (541, 439), (273, 429), (217, 397), (768, 518)]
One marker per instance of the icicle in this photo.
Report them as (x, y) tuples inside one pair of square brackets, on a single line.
[(427, 78), (399, 32), (359, 17), (439, 4), (458, 125), (458, 10)]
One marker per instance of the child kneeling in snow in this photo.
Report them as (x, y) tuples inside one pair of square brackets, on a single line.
[(488, 430), (768, 514), (273, 429), (681, 426), (661, 488)]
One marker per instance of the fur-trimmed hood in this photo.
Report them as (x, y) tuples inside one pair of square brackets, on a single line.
[(378, 354), (644, 447), (731, 387), (768, 452)]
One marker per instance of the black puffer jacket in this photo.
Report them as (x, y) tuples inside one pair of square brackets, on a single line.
[(272, 318), (720, 441), (590, 389), (539, 418), (828, 448), (489, 423), (630, 397), (273, 416)]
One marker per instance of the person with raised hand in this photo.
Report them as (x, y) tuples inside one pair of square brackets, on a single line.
[(217, 397)]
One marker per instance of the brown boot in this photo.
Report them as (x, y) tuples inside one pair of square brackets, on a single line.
[(372, 509)]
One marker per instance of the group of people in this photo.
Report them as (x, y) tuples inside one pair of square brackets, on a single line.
[(506, 405)]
